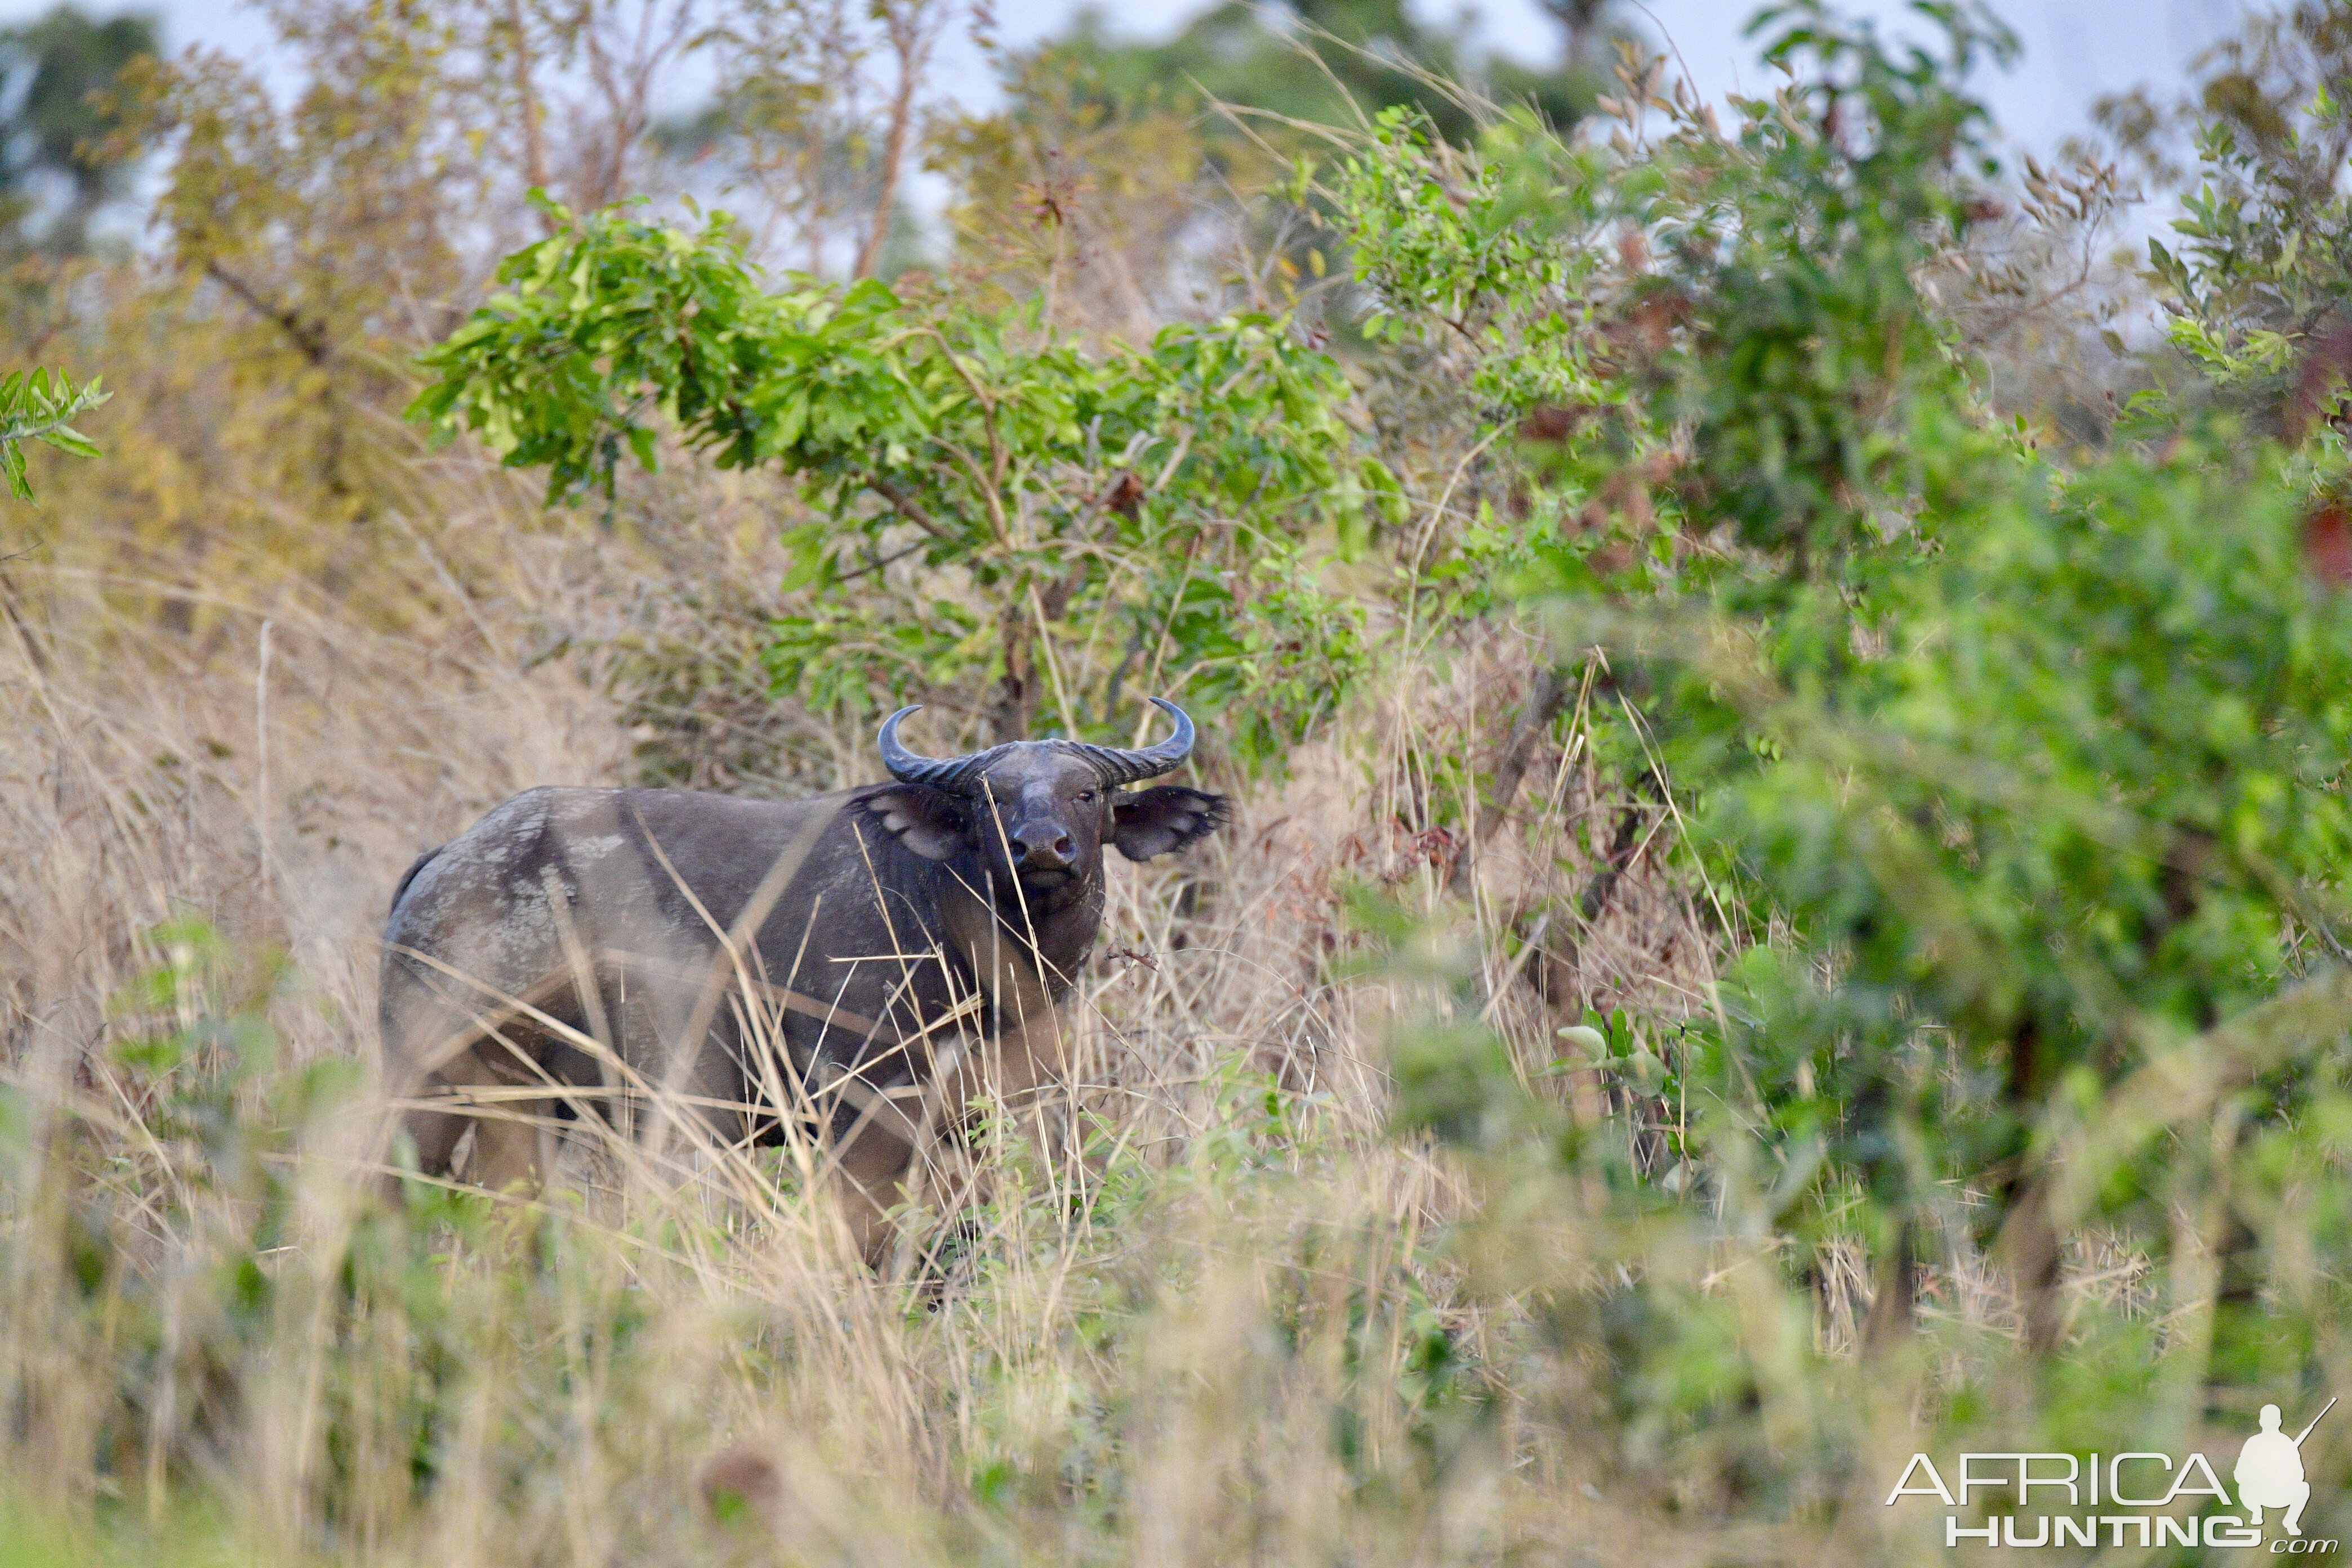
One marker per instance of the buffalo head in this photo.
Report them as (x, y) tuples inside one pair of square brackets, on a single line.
[(1038, 813)]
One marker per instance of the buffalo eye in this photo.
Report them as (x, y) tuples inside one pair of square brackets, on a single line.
[(1086, 797)]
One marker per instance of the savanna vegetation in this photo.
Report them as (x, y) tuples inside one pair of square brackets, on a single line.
[(1786, 671)]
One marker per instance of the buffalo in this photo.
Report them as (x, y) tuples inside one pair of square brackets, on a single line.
[(602, 951)]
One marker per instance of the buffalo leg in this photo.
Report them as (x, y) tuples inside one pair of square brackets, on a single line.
[(425, 1057), (509, 1153), (870, 1175), (435, 1134), (436, 1046)]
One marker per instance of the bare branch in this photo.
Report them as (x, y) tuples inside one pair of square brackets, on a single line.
[(912, 46), (907, 507), (308, 336)]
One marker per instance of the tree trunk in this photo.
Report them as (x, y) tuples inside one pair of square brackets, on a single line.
[(1016, 709), (908, 42), (1892, 1306), (526, 83), (2028, 1245), (1545, 699)]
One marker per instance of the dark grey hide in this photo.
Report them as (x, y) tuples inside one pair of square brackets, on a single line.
[(906, 925)]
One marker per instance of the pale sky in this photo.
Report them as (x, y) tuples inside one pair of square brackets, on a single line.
[(2075, 50)]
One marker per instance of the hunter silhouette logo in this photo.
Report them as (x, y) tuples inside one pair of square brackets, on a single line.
[(2270, 1471), (2135, 1498)]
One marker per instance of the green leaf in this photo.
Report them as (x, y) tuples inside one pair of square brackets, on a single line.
[(39, 408)]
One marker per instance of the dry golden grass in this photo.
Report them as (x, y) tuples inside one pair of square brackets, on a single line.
[(1219, 1312)]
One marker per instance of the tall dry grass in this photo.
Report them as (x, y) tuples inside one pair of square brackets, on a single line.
[(1210, 1307), (1207, 1316)]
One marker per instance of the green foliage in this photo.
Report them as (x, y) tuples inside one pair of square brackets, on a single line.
[(2040, 778), (1068, 518), (1817, 388), (2258, 263), (2260, 256), (1349, 58), (42, 406), (2087, 806), (1716, 339)]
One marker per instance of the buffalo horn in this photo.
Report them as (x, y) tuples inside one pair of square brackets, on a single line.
[(940, 772), (1115, 765), (1118, 765)]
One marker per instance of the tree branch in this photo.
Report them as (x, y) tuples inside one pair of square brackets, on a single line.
[(906, 38), (1545, 699), (907, 507), (310, 339), (895, 556), (1603, 884), (534, 141)]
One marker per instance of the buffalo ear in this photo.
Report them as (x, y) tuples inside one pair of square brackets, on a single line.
[(926, 820), (1156, 821)]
